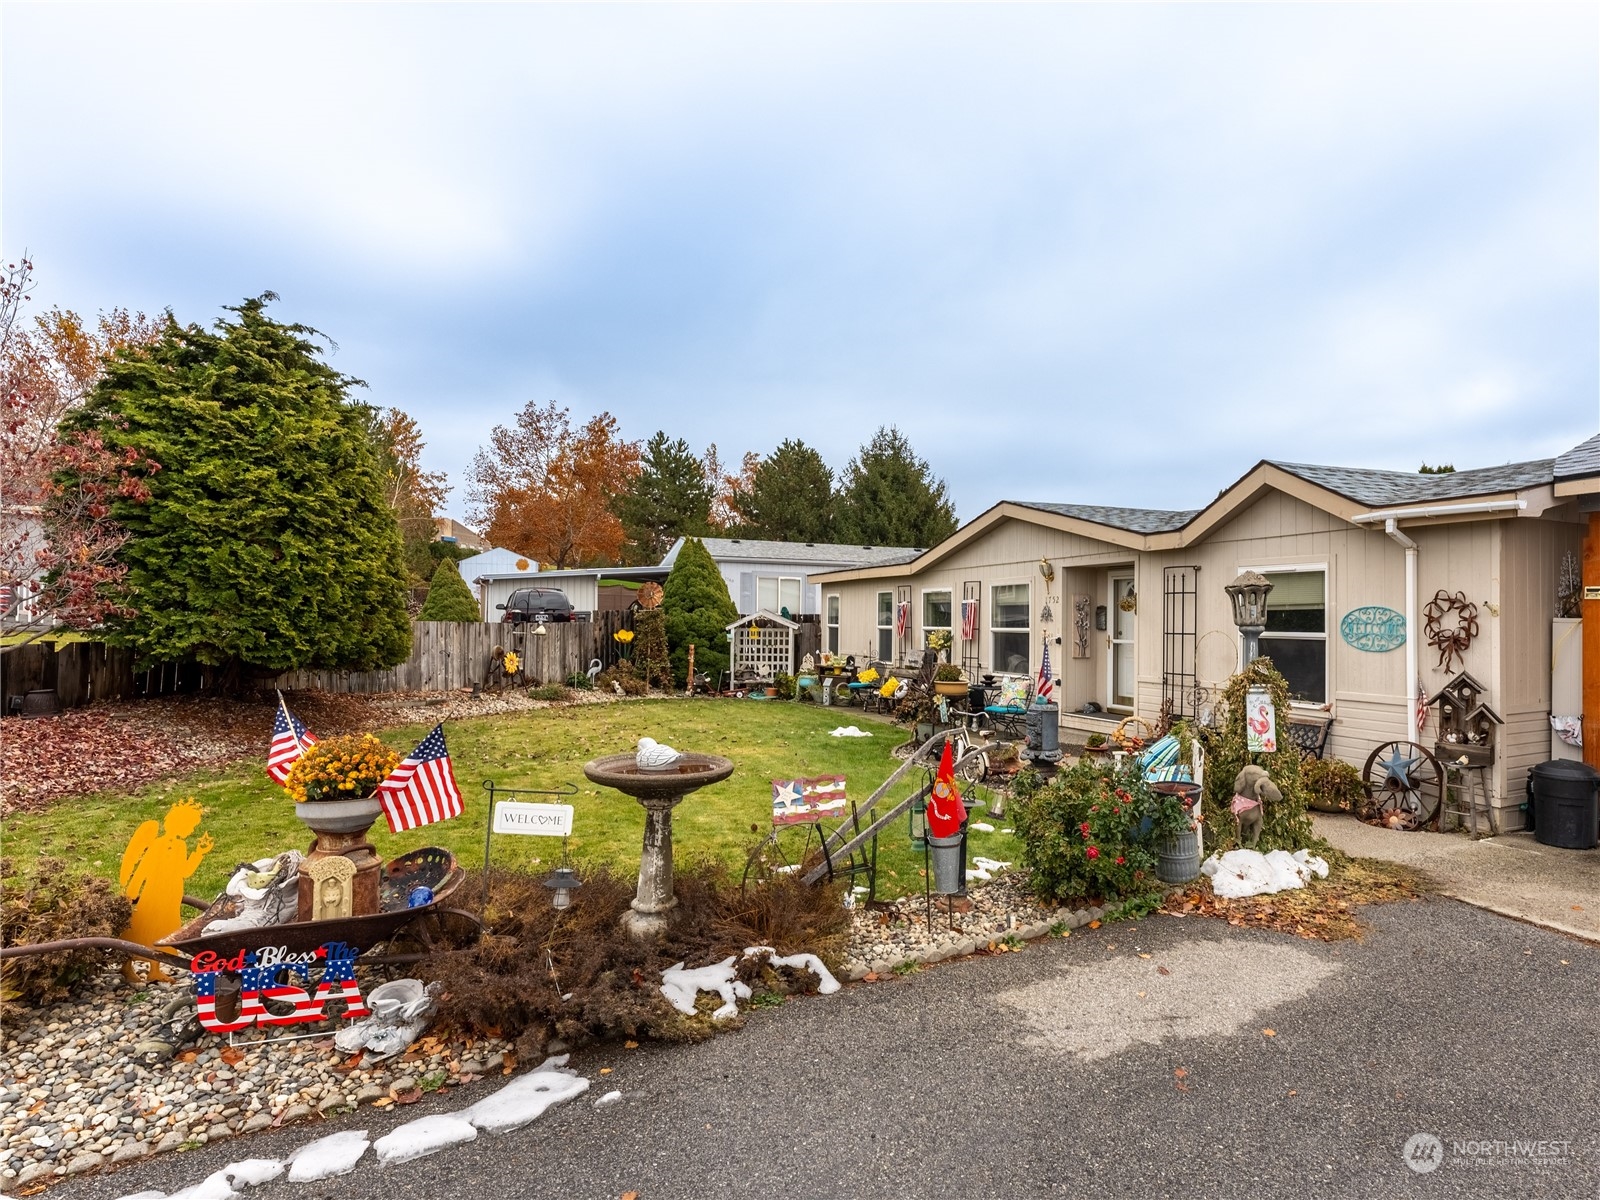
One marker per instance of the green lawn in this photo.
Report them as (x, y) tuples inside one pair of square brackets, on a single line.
[(248, 816)]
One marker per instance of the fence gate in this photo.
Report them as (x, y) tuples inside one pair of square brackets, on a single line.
[(1180, 595)]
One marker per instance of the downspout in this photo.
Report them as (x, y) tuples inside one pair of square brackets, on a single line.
[(1391, 526)]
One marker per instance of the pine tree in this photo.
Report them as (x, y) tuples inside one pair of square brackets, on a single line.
[(449, 597), (889, 496), (699, 611), (790, 497), (266, 542), (669, 498)]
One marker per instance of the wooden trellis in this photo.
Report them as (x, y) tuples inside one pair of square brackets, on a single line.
[(762, 646)]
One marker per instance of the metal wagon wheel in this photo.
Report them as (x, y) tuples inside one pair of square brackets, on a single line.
[(787, 850), (1404, 784), (428, 933)]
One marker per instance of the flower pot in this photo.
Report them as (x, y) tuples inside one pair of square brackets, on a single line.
[(341, 828), (771, 693), (1178, 857), (950, 687)]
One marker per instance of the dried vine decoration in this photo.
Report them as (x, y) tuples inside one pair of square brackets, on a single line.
[(1451, 641)]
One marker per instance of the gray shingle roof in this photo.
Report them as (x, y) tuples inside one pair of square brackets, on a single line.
[(1583, 459), (822, 553), (1383, 489), (1134, 520)]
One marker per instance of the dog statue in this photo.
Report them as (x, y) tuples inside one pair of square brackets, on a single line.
[(1253, 789)]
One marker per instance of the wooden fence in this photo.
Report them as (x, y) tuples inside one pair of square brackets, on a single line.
[(444, 655)]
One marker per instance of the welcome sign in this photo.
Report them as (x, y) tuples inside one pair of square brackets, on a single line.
[(1374, 629)]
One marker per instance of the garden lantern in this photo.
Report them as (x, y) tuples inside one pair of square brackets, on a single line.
[(1249, 596), (919, 820), (562, 883)]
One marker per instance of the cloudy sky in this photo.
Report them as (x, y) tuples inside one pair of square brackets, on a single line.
[(1103, 254)]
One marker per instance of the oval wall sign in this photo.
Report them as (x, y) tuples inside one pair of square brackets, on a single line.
[(1374, 628)]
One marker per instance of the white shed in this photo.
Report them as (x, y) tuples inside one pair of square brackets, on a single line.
[(762, 646)]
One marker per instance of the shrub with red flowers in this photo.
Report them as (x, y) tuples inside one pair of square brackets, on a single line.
[(1088, 834)]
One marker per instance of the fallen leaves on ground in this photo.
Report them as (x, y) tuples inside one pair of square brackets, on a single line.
[(1324, 910), (1269, 1033)]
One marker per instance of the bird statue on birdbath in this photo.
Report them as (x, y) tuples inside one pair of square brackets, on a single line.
[(653, 756)]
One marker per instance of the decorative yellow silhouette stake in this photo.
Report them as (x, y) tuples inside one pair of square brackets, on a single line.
[(154, 868)]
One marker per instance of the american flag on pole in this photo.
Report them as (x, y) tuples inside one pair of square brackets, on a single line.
[(289, 741), (422, 789), (1046, 683)]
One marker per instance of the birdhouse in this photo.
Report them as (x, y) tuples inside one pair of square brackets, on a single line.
[(1466, 723)]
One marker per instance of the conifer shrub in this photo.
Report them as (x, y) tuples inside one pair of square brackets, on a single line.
[(449, 597), (699, 611)]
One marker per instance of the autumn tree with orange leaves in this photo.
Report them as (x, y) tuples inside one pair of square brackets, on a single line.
[(546, 488), (48, 366)]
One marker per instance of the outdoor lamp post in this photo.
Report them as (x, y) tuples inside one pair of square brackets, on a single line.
[(1249, 596), (562, 883)]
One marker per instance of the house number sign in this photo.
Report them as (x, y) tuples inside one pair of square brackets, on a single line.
[(1373, 628)]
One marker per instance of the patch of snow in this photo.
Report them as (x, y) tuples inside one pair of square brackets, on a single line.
[(1008, 831), (253, 1171), (336, 1154), (681, 987), (985, 869), (806, 962), (849, 731), (150, 1195), (213, 1187), (983, 827), (527, 1096), (424, 1136), (608, 1098), (1241, 873)]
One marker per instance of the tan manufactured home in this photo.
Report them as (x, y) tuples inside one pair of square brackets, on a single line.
[(1131, 606)]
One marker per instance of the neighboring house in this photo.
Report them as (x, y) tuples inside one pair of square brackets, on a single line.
[(23, 538), (770, 577), (494, 574), (760, 575), (448, 529), (1132, 606)]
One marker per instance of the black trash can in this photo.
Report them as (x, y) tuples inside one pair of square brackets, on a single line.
[(1566, 804)]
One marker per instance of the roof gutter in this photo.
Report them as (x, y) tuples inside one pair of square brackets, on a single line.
[(1420, 512)]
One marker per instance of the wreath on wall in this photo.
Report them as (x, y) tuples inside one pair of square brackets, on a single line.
[(1450, 624)]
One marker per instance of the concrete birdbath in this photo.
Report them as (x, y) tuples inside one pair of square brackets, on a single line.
[(658, 791)]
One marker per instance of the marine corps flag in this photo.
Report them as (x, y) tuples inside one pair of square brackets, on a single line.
[(946, 812)]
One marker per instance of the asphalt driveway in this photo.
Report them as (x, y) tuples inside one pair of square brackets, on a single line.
[(1079, 1067)]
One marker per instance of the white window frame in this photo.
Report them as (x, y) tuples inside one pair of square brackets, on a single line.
[(1026, 627), (882, 628), (832, 606), (1326, 636), (927, 629), (778, 582)]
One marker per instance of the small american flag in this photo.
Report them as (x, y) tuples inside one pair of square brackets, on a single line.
[(902, 618), (969, 620), (1422, 709), (422, 789), (1046, 684), (289, 741)]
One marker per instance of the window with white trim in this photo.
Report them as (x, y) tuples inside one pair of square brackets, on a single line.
[(936, 610), (774, 593), (1008, 627), (833, 625), (885, 627), (1296, 638)]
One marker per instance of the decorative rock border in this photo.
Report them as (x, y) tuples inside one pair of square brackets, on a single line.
[(962, 944)]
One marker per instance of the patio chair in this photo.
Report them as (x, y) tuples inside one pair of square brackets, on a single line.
[(1008, 715)]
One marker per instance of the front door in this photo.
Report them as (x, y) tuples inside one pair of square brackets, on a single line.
[(1122, 624)]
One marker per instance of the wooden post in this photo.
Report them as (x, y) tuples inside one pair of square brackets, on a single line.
[(1591, 642)]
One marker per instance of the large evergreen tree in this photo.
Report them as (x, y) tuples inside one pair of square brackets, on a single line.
[(266, 542), (669, 498), (699, 611), (889, 497), (449, 597), (790, 498)]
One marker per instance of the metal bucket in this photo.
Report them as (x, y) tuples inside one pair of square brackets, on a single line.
[(1178, 857), (947, 853)]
